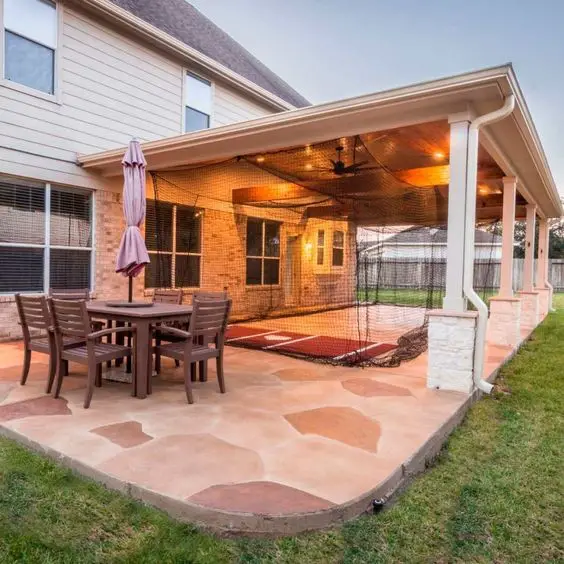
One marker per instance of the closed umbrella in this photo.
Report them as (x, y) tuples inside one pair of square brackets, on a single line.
[(132, 254)]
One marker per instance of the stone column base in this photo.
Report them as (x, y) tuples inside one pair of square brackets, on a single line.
[(504, 324), (544, 302), (451, 350), (529, 309)]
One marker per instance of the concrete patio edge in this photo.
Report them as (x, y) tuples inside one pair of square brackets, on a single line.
[(224, 522)]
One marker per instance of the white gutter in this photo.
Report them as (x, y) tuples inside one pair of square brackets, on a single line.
[(468, 280)]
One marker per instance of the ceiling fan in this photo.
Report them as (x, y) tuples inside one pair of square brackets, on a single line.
[(340, 168)]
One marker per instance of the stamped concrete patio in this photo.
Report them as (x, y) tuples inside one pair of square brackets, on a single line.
[(291, 446)]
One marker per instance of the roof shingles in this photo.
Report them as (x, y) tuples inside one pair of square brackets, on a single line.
[(182, 21)]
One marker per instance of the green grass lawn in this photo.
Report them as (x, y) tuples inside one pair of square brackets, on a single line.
[(494, 495), (411, 296)]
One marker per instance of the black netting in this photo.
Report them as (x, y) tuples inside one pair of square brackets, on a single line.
[(327, 253)]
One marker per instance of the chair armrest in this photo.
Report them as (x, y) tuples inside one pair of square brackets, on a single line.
[(110, 331), (174, 331)]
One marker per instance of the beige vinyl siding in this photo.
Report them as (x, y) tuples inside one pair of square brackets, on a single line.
[(231, 107), (110, 88)]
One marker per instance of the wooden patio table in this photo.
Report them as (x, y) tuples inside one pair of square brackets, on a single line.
[(142, 318)]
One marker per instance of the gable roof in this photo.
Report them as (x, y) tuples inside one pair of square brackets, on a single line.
[(182, 21), (432, 235)]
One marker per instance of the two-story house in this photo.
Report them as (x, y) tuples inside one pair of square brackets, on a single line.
[(83, 76)]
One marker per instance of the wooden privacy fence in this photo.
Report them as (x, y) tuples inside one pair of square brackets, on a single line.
[(417, 274)]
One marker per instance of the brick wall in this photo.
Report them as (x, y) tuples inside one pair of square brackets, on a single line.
[(223, 266)]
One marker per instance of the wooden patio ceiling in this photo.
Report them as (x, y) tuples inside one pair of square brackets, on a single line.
[(404, 180)]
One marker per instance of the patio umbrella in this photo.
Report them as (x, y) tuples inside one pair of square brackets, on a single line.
[(132, 254)]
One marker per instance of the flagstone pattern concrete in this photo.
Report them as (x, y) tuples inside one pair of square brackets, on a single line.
[(291, 446)]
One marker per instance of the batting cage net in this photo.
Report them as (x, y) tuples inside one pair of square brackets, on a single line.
[(326, 252)]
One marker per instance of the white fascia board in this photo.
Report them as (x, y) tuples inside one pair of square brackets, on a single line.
[(412, 94)]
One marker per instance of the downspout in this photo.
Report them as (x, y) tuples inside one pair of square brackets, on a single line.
[(551, 293), (470, 226), (547, 283)]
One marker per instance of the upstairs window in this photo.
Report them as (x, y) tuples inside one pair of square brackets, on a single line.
[(198, 103), (30, 43), (263, 252)]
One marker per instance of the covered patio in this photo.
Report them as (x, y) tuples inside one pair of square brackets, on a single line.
[(373, 375), (280, 203)]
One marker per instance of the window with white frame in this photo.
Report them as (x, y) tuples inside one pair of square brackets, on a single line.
[(45, 237), (30, 43), (198, 103), (320, 254), (173, 234), (263, 252), (338, 248)]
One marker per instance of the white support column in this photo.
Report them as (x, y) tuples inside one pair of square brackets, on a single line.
[(452, 330), (542, 285), (528, 269), (508, 237), (504, 323), (454, 299), (529, 297)]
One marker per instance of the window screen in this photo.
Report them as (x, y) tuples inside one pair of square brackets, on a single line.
[(173, 234), (70, 218), (22, 213), (22, 270), (36, 254), (30, 41), (69, 269), (198, 103), (263, 252), (338, 248)]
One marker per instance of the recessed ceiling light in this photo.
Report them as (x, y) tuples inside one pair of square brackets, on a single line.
[(308, 166), (260, 159), (439, 155)]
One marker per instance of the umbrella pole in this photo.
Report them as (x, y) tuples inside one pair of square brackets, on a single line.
[(130, 293)]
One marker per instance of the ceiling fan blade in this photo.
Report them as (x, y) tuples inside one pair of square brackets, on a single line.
[(354, 167)]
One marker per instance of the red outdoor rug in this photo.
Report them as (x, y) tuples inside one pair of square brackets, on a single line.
[(344, 351)]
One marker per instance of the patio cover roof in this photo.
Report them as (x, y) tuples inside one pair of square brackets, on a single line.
[(513, 142)]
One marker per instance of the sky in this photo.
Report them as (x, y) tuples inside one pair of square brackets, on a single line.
[(330, 49)]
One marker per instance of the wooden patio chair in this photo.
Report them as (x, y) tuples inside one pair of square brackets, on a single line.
[(202, 296), (71, 294), (208, 320), (34, 314), (79, 294), (71, 320), (165, 297), (205, 296)]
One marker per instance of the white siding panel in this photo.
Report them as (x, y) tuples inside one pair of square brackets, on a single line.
[(117, 50), (232, 107), (112, 89), (85, 72), (17, 163)]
